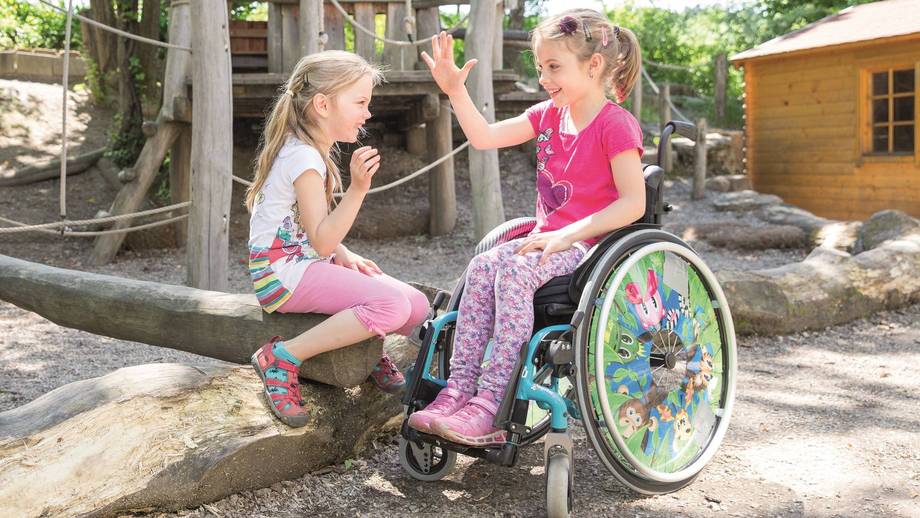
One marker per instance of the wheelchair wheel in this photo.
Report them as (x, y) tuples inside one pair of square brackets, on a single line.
[(426, 462), (655, 362), (559, 497)]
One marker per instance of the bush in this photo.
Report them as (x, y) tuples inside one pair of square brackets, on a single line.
[(26, 25)]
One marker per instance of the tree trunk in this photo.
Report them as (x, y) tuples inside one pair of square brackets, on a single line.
[(224, 326), (149, 56), (171, 436)]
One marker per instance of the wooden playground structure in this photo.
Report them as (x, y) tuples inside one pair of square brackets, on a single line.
[(201, 94)]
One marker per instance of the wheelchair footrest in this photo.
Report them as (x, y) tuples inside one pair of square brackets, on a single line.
[(503, 455)]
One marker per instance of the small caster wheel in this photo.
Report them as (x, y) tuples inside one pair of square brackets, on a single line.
[(558, 483), (426, 462)]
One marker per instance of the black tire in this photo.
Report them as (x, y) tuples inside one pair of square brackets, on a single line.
[(426, 462)]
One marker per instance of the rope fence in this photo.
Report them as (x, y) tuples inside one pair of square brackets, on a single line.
[(119, 32), (66, 224), (399, 43)]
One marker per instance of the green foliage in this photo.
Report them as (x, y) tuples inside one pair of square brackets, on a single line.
[(124, 147), (249, 11), (28, 25)]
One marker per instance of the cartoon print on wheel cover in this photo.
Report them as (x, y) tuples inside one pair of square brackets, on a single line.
[(662, 352)]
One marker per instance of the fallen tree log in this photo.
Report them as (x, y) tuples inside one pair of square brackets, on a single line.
[(171, 436), (219, 325), (50, 169)]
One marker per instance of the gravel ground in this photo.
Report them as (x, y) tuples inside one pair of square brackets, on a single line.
[(825, 423)]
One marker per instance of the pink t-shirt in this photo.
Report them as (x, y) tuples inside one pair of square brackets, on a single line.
[(574, 179)]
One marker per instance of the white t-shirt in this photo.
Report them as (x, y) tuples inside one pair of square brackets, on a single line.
[(279, 250)]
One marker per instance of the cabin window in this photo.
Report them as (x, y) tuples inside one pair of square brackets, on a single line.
[(893, 111)]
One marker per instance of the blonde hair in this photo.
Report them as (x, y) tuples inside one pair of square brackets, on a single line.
[(292, 114), (622, 57)]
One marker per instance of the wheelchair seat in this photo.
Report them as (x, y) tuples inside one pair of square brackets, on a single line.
[(556, 301)]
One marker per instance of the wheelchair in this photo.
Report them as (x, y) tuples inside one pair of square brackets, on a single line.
[(637, 344)]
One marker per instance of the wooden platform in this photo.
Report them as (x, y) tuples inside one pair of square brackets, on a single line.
[(401, 95)]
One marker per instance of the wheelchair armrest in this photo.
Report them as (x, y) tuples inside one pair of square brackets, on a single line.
[(511, 229)]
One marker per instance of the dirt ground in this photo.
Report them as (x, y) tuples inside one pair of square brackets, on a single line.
[(825, 423)]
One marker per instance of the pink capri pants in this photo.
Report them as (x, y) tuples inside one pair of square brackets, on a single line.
[(380, 302)]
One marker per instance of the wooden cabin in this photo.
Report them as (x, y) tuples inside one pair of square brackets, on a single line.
[(831, 112)]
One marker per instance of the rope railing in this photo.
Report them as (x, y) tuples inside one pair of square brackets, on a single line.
[(394, 183), (658, 92), (667, 66), (399, 43), (24, 227), (113, 29)]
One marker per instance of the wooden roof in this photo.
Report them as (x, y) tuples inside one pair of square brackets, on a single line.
[(861, 23)]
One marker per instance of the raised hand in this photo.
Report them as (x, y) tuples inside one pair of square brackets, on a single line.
[(364, 163), (449, 78)]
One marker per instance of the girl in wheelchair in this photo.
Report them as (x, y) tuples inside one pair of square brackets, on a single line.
[(589, 183)]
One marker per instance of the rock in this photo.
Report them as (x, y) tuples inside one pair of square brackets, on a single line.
[(729, 183), (739, 182), (719, 184), (744, 201), (885, 225), (828, 288), (747, 237), (827, 233), (758, 238), (723, 154)]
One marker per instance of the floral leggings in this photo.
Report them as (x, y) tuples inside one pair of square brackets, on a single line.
[(498, 301)]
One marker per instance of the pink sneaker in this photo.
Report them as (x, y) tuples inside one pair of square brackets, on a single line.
[(472, 424), (448, 401)]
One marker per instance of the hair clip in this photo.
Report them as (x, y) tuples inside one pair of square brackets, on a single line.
[(604, 40), (568, 25), (584, 25)]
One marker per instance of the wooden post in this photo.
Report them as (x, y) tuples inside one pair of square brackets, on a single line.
[(428, 24), (290, 38), (488, 210), (399, 57), (175, 77), (498, 44), (132, 196), (699, 165), (275, 36), (311, 25), (442, 197), (365, 45), (664, 116), (637, 99), (212, 147), (334, 27), (721, 67), (180, 166)]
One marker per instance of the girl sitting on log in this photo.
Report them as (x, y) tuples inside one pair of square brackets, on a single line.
[(297, 260), (589, 182)]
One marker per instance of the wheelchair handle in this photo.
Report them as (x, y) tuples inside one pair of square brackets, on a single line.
[(684, 129)]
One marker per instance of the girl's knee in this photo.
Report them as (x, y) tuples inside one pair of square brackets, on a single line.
[(419, 307)]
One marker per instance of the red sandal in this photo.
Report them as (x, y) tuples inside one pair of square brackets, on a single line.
[(282, 390)]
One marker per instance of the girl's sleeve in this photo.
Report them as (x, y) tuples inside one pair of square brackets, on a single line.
[(301, 159), (621, 133), (535, 114)]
